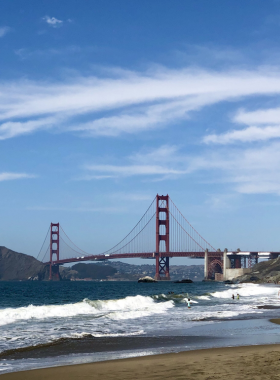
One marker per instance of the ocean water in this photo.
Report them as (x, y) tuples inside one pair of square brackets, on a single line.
[(53, 323)]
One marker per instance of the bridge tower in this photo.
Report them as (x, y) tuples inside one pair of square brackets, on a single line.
[(162, 235), (54, 250)]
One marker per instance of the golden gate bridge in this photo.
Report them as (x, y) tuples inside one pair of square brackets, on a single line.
[(162, 233)]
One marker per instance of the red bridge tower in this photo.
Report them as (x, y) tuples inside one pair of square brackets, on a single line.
[(54, 250), (162, 237)]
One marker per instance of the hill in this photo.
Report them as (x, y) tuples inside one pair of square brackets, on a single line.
[(94, 271), (119, 271), (264, 272), (18, 266)]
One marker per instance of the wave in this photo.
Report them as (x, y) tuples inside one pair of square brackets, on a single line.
[(206, 298), (126, 308), (247, 290)]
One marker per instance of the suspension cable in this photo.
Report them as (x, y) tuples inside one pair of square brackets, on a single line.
[(186, 231), (192, 226), (46, 253), (131, 230), (133, 237), (103, 253), (43, 243)]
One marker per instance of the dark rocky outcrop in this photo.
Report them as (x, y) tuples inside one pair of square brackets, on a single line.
[(18, 266), (184, 281), (264, 272)]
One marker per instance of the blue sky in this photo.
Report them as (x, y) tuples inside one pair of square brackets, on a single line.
[(104, 104)]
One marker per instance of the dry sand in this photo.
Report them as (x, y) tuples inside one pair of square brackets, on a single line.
[(232, 363)]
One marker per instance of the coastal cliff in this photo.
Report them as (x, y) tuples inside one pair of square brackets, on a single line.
[(264, 272), (18, 266)]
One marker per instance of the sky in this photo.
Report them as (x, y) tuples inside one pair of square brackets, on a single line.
[(104, 104)]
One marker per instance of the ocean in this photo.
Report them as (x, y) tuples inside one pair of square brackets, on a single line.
[(45, 324)]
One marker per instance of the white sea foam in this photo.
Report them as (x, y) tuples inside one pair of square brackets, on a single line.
[(247, 290), (203, 298), (97, 335), (126, 308), (120, 334), (222, 314)]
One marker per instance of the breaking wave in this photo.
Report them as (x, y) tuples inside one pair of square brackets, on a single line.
[(126, 308), (247, 290)]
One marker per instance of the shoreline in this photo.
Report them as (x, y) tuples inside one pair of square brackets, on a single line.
[(257, 361), (92, 350)]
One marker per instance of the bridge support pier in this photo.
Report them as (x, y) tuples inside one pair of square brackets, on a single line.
[(162, 268), (226, 264), (252, 259), (213, 266), (54, 273), (206, 266)]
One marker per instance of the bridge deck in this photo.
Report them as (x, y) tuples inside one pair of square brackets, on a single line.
[(149, 255)]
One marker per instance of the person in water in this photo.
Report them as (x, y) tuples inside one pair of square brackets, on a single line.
[(232, 296), (189, 303), (237, 296)]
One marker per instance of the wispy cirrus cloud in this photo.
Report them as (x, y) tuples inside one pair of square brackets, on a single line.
[(250, 134), (123, 102), (259, 116), (133, 170), (15, 128), (9, 176), (262, 125), (244, 170), (155, 164), (4, 30)]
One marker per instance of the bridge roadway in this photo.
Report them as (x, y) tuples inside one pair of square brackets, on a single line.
[(145, 255), (150, 255)]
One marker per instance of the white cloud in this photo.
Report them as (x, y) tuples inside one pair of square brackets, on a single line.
[(247, 170), (17, 128), (156, 164), (52, 21), (264, 124), (4, 30), (8, 176), (136, 101), (249, 134), (133, 170), (243, 170), (262, 116)]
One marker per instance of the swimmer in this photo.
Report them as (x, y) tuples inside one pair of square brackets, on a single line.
[(189, 303), (237, 296), (232, 296)]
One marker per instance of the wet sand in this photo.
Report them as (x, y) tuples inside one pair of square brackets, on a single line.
[(277, 321), (91, 344), (232, 363)]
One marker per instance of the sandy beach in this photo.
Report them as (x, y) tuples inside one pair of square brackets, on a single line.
[(248, 362)]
